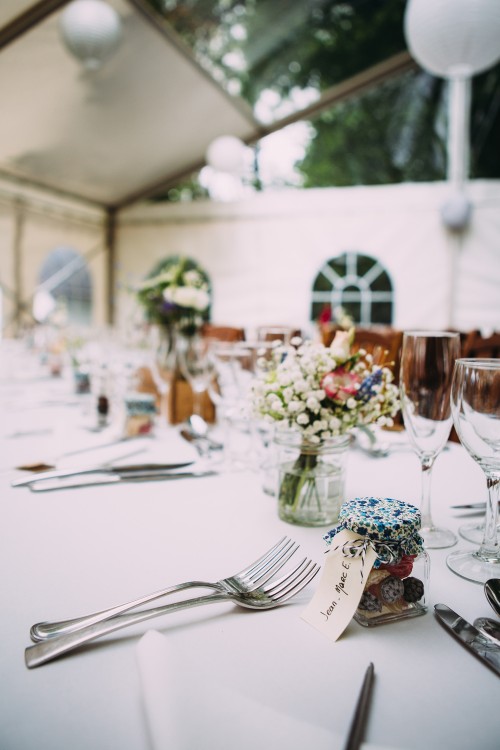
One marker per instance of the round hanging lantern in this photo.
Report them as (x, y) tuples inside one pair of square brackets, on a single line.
[(227, 154), (456, 211), (453, 37), (91, 30)]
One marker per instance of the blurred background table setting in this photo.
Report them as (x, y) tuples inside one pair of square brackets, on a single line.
[(89, 546)]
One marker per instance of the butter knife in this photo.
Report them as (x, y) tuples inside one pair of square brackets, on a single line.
[(99, 470), (91, 480), (487, 651)]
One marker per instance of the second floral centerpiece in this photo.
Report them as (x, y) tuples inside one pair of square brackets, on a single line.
[(176, 300), (316, 396)]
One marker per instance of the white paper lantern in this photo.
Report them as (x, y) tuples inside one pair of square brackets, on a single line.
[(453, 37), (456, 211), (91, 30), (227, 154)]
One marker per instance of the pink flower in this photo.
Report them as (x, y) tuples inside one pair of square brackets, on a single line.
[(340, 384)]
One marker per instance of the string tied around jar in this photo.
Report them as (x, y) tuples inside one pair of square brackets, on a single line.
[(358, 548)]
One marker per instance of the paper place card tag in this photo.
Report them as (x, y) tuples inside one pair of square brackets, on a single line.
[(341, 586)]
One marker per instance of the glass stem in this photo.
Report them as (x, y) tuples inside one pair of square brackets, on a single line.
[(425, 502), (198, 402), (489, 546)]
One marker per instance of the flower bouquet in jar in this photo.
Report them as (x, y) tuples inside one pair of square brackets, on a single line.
[(316, 395), (176, 295)]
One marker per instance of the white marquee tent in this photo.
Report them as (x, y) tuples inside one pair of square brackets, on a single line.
[(81, 152)]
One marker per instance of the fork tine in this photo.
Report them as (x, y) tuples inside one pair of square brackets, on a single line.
[(250, 570), (275, 586), (301, 584), (293, 581), (267, 570)]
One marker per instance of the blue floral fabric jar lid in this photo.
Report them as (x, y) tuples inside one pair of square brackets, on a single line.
[(140, 403), (388, 523)]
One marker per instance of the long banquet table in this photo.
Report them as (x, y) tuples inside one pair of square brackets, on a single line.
[(75, 551)]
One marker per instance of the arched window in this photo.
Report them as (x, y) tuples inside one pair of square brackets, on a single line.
[(357, 283), (65, 276)]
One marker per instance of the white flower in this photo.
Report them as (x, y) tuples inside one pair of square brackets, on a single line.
[(187, 296), (341, 345), (302, 419), (313, 404), (295, 406)]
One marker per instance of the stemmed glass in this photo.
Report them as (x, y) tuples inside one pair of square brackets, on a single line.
[(229, 390), (475, 403), (427, 361), (196, 364), (161, 361)]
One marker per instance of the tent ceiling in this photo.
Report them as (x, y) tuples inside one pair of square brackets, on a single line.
[(103, 137), (144, 120)]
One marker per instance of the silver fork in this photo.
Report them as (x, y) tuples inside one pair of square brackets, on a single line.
[(246, 580), (267, 596)]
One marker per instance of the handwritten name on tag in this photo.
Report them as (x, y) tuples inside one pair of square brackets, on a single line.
[(340, 588)]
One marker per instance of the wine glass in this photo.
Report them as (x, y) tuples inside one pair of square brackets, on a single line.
[(229, 390), (475, 403), (196, 365), (427, 361)]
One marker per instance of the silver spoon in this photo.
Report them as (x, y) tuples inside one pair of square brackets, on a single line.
[(492, 592), (199, 431), (489, 628)]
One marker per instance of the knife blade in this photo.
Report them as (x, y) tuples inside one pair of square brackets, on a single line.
[(91, 480), (487, 651), (356, 730), (469, 506), (98, 470)]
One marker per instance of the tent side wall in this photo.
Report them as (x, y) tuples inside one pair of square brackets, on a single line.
[(263, 254), (33, 224)]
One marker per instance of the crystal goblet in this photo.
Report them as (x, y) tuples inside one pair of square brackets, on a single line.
[(475, 403)]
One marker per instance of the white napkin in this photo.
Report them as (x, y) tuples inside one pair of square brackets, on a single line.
[(212, 716)]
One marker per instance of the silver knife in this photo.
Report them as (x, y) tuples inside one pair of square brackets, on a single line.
[(91, 480), (471, 506), (99, 470), (469, 636), (356, 730)]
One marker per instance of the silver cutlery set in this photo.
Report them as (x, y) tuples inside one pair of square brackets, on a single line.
[(256, 587), (94, 475)]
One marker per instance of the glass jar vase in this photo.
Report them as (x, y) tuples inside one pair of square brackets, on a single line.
[(310, 478), (397, 585)]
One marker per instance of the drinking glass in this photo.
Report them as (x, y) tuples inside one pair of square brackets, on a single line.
[(427, 361), (475, 403), (229, 389), (197, 366)]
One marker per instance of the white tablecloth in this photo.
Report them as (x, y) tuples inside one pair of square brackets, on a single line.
[(74, 551)]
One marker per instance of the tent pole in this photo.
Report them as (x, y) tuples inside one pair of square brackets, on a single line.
[(17, 265), (110, 265)]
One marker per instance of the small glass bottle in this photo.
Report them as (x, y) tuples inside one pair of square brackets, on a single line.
[(398, 583)]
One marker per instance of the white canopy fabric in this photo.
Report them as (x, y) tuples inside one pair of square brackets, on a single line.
[(104, 136), (143, 121)]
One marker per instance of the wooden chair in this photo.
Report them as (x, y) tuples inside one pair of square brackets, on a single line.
[(478, 346), (223, 333), (277, 333), (384, 344)]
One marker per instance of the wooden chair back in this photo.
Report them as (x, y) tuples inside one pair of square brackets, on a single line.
[(384, 344), (223, 333), (478, 346)]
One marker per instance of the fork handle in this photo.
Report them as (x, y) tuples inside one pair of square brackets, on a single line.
[(50, 649), (41, 631)]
